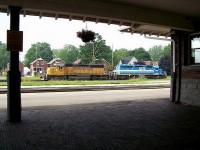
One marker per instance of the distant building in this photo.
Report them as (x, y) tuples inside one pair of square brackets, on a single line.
[(78, 61), (21, 67), (128, 60), (26, 71), (106, 64), (56, 62), (151, 63), (38, 65)]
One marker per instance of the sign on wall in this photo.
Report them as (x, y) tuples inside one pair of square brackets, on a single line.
[(14, 40)]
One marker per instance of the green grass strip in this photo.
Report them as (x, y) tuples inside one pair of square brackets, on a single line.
[(35, 81)]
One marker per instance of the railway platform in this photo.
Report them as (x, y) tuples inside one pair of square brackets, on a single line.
[(128, 125), (69, 88)]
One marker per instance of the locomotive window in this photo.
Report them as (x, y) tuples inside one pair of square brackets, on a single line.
[(195, 50)]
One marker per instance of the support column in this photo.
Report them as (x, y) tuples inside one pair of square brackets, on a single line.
[(181, 59), (14, 75)]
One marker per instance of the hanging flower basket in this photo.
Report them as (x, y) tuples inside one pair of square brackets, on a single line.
[(86, 35)]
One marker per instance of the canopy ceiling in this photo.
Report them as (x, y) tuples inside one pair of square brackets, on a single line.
[(140, 16)]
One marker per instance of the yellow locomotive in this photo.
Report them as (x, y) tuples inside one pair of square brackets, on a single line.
[(76, 71)]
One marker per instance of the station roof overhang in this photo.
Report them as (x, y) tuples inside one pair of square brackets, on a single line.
[(148, 30), (144, 16)]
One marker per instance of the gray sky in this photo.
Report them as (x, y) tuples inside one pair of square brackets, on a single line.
[(62, 31)]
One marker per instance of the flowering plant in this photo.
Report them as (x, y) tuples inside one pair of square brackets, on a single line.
[(86, 35)]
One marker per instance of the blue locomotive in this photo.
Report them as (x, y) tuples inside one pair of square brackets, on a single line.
[(124, 71)]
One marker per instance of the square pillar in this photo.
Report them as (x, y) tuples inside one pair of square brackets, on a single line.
[(182, 44), (14, 75)]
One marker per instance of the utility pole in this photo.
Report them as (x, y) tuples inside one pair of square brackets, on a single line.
[(112, 55), (36, 61), (93, 56)]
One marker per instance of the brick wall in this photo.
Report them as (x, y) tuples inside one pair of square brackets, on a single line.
[(191, 73), (190, 85), (42, 65), (190, 93), (187, 87), (179, 46)]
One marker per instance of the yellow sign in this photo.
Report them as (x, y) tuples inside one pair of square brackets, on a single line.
[(14, 40)]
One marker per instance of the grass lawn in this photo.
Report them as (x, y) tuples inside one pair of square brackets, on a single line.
[(35, 81)]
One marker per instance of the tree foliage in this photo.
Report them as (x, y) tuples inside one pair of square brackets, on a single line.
[(68, 54), (166, 50), (92, 51), (119, 54), (4, 56), (158, 51), (140, 54), (43, 51), (165, 64)]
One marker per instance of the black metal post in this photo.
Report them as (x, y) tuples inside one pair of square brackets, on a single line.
[(173, 88), (14, 75)]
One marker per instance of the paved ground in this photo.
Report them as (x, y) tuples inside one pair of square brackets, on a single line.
[(85, 97), (128, 125), (69, 88)]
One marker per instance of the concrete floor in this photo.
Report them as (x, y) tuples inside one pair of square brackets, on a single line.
[(128, 125)]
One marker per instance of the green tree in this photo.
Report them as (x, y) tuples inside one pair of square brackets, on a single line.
[(140, 54), (167, 50), (68, 54), (165, 64), (156, 52), (38, 50), (56, 53), (119, 54), (4, 56), (92, 51)]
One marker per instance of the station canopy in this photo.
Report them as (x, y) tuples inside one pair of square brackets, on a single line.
[(143, 17)]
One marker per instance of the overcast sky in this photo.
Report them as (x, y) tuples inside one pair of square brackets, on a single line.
[(62, 31)]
